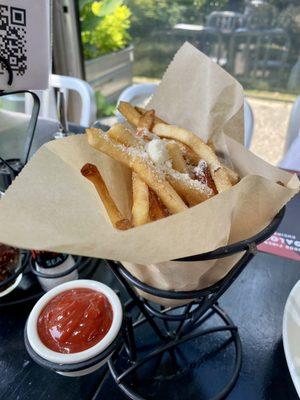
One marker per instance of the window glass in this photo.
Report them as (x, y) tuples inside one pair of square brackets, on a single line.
[(256, 41)]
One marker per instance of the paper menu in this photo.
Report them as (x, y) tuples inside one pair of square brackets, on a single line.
[(285, 242)]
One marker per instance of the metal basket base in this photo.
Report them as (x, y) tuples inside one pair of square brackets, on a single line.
[(134, 361)]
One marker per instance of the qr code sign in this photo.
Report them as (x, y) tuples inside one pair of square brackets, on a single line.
[(13, 43)]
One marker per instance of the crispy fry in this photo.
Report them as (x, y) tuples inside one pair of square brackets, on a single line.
[(142, 111), (218, 173), (122, 135), (146, 120), (191, 195), (178, 162), (157, 209), (92, 173), (203, 175), (189, 155), (140, 198), (146, 171), (129, 112), (232, 175)]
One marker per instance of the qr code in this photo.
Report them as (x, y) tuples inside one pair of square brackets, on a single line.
[(13, 43)]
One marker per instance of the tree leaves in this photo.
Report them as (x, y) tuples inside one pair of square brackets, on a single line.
[(90, 22), (105, 7), (82, 3)]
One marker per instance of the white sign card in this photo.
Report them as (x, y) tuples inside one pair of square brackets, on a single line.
[(25, 44)]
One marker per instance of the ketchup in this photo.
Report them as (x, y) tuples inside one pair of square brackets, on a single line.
[(75, 320)]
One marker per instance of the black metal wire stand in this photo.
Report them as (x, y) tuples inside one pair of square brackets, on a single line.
[(201, 305)]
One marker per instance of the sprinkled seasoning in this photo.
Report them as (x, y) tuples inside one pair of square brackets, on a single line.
[(162, 168), (192, 183)]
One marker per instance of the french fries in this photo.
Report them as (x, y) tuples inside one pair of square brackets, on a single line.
[(140, 200), (232, 175), (134, 160), (188, 154), (146, 120), (188, 190), (157, 210), (122, 135), (129, 112), (217, 171), (143, 111), (178, 162), (92, 173), (172, 168), (191, 194)]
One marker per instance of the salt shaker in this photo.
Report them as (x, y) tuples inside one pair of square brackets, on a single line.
[(52, 263)]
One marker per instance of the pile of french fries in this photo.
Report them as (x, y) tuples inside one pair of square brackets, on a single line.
[(172, 168)]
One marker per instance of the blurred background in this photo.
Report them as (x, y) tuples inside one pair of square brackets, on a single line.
[(113, 44)]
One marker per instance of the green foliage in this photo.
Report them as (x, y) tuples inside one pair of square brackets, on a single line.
[(104, 108), (100, 8), (150, 15), (82, 3), (104, 27)]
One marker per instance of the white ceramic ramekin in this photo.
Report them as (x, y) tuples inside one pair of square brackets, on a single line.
[(86, 361)]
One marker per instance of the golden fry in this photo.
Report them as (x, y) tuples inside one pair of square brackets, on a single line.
[(129, 112), (146, 120), (157, 209), (92, 173), (140, 198), (142, 111), (146, 171), (203, 175), (175, 154), (191, 195), (190, 156), (168, 175), (218, 173), (232, 175), (122, 135)]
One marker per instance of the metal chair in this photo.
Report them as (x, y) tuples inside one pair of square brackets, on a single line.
[(206, 38), (139, 95), (248, 124), (293, 130), (225, 21), (66, 84), (259, 14), (258, 54), (291, 158)]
